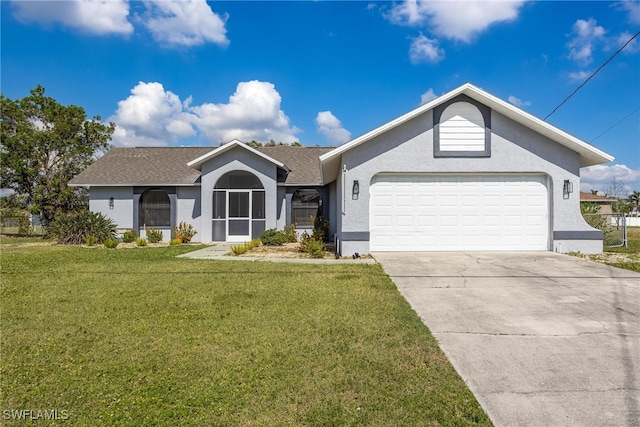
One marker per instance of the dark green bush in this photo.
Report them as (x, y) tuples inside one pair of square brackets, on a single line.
[(153, 235), (129, 236), (73, 228), (321, 229), (111, 243), (273, 237)]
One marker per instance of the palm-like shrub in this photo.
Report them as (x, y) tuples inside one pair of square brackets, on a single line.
[(73, 228)]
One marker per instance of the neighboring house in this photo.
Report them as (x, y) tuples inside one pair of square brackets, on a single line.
[(604, 203), (466, 171)]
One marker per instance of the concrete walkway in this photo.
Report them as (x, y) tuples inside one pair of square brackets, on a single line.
[(221, 252), (541, 339)]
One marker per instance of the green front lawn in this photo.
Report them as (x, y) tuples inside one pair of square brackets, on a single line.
[(139, 337)]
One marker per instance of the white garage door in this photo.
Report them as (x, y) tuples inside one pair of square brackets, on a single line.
[(468, 212)]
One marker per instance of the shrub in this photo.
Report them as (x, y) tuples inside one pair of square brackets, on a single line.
[(129, 236), (290, 233), (111, 243), (173, 242), (320, 229), (90, 240), (305, 238), (273, 237), (73, 228), (185, 232), (315, 248), (141, 241), (153, 235)]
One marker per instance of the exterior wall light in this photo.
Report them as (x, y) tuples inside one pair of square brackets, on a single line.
[(111, 203), (355, 191), (567, 189)]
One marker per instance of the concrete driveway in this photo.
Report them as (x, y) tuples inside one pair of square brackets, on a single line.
[(541, 339)]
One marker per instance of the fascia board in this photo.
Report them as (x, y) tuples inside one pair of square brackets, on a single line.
[(589, 155), (196, 163), (137, 184)]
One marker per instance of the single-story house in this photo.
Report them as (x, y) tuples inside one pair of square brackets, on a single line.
[(465, 171), (604, 203)]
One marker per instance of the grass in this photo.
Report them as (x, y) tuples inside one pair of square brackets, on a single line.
[(139, 337), (632, 250), (633, 242)]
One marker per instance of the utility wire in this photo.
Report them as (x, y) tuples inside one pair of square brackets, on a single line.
[(616, 124), (591, 76)]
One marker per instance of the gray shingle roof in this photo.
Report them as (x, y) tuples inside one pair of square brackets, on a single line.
[(168, 165), (303, 162)]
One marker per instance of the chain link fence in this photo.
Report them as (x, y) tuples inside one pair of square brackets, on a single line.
[(21, 225), (613, 225)]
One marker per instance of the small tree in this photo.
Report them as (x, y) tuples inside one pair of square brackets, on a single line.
[(617, 190)]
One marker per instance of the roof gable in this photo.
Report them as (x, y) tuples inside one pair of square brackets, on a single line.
[(197, 163), (589, 155)]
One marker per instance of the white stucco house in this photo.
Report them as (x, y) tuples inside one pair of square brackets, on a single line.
[(465, 171)]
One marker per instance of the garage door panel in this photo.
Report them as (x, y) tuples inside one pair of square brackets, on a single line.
[(482, 212)]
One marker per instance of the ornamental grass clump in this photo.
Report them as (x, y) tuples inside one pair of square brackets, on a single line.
[(141, 241), (245, 247), (174, 242), (111, 243)]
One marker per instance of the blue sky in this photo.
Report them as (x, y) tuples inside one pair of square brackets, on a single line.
[(197, 73)]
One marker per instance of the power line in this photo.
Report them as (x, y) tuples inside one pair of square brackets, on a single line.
[(616, 124), (593, 74)]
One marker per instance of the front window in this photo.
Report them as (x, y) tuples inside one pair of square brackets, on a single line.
[(155, 209), (306, 205)]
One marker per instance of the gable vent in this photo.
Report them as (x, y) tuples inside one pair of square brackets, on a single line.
[(462, 128)]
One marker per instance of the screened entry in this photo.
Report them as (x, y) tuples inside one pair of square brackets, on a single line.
[(238, 207)]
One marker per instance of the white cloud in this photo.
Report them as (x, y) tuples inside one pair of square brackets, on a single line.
[(427, 96), (185, 23), (633, 8), (458, 20), (579, 76), (585, 36), (253, 112), (517, 102), (170, 22), (91, 16), (424, 49), (599, 177), (620, 41), (331, 128), (153, 116)]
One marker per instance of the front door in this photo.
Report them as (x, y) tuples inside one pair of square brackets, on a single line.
[(239, 217)]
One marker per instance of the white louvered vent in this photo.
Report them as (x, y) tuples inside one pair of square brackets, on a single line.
[(462, 128)]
